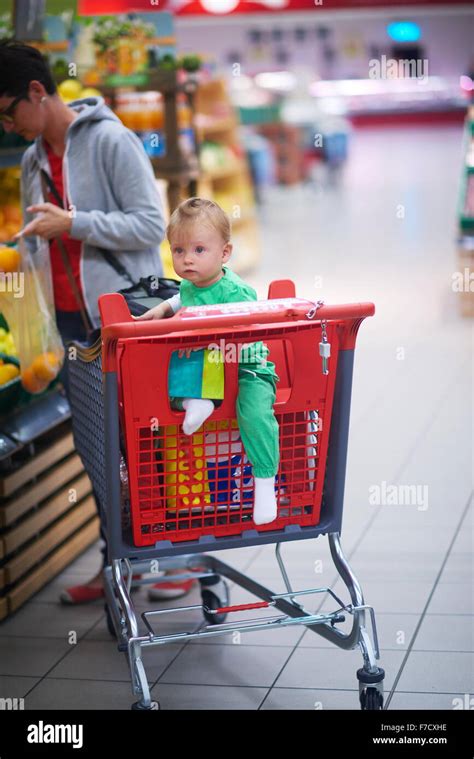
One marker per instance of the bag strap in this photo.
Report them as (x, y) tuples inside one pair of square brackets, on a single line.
[(107, 254), (115, 264), (45, 182)]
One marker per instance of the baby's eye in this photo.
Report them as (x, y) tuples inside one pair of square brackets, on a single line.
[(199, 249), (177, 250)]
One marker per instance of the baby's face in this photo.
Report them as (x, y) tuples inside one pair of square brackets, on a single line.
[(198, 254)]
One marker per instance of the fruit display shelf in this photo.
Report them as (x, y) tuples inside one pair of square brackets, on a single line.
[(42, 529)]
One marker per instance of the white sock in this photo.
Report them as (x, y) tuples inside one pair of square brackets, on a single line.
[(197, 411), (265, 505)]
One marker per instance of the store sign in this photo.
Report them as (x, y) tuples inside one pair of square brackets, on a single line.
[(199, 7), (223, 7)]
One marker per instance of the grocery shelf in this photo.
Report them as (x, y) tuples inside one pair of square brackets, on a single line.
[(216, 121), (39, 416), (8, 446), (222, 173), (221, 125)]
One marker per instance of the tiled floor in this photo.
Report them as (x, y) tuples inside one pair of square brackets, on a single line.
[(385, 234)]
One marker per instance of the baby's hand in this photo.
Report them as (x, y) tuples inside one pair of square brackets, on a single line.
[(161, 311), (187, 352)]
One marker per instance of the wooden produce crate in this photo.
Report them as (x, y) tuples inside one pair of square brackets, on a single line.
[(47, 515)]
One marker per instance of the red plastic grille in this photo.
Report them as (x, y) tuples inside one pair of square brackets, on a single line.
[(190, 485), (183, 487)]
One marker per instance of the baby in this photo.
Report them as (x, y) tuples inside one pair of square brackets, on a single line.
[(199, 237)]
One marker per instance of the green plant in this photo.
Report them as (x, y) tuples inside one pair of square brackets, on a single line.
[(190, 63), (6, 26), (108, 29), (168, 63)]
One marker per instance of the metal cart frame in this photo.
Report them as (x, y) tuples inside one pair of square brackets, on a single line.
[(94, 397)]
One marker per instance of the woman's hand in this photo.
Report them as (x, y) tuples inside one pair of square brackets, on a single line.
[(51, 221)]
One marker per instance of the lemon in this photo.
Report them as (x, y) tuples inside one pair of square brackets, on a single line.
[(90, 92), (70, 89), (7, 373)]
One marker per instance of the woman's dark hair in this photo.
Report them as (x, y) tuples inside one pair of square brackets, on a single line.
[(21, 64)]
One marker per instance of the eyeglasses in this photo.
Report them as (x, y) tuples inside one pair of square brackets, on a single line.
[(7, 116)]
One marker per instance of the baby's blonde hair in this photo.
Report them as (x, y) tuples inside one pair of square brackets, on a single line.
[(200, 209)]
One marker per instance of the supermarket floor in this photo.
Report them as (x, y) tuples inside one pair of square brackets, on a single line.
[(386, 234)]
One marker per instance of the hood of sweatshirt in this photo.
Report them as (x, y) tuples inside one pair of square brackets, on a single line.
[(87, 109)]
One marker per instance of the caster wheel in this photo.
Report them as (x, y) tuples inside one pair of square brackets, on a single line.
[(214, 595), (110, 624), (138, 707), (371, 700), (212, 602)]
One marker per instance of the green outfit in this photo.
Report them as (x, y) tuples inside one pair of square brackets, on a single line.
[(257, 377)]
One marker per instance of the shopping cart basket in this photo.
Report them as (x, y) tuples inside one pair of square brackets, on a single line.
[(192, 494)]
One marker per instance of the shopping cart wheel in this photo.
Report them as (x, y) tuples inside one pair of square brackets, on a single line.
[(371, 700), (139, 707), (371, 696), (214, 595)]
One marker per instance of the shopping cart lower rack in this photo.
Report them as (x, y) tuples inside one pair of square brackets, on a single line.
[(187, 495)]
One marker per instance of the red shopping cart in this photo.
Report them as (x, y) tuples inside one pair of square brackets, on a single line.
[(193, 494)]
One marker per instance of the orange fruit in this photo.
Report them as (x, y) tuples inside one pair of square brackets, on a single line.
[(46, 366), (9, 259), (91, 78), (31, 382), (12, 214), (11, 228)]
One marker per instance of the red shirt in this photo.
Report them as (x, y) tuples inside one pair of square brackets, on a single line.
[(64, 299)]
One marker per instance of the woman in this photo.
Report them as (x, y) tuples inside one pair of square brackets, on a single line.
[(100, 195)]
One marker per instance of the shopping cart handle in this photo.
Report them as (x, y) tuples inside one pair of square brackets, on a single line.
[(118, 323)]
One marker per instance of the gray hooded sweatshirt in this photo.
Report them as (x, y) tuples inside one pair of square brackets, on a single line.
[(109, 182)]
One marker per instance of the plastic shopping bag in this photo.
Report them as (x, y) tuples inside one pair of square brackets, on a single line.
[(27, 302)]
